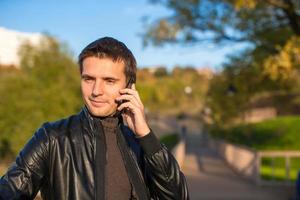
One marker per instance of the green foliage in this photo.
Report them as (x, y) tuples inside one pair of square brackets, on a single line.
[(170, 140), (270, 62), (255, 21), (250, 83), (279, 169), (224, 103), (45, 88), (281, 66), (165, 93), (281, 133), (160, 72)]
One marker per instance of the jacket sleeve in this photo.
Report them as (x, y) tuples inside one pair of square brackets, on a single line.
[(24, 177), (164, 177)]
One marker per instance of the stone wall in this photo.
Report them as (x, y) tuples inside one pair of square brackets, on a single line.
[(241, 159)]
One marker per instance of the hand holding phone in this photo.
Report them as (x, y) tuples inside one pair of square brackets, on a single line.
[(132, 109), (119, 102)]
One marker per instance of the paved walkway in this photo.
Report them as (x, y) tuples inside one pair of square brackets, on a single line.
[(209, 178)]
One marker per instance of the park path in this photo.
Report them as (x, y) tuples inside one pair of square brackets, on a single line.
[(209, 178)]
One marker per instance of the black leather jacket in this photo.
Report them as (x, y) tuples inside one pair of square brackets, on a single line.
[(59, 160)]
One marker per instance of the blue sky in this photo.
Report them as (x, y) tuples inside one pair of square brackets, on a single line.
[(78, 22)]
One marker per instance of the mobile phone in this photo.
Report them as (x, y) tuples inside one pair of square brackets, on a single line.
[(128, 85)]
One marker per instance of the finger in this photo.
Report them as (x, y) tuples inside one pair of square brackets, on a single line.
[(133, 86), (130, 98), (128, 91), (132, 92), (129, 106)]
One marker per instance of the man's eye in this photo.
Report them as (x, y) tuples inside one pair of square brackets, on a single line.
[(111, 82), (87, 79)]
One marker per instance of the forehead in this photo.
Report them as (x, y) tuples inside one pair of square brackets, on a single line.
[(103, 66)]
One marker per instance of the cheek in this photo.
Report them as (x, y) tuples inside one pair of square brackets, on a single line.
[(113, 92), (85, 89)]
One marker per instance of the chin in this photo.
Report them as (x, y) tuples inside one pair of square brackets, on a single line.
[(100, 113)]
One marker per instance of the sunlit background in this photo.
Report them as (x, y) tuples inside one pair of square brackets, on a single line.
[(219, 80), (77, 23)]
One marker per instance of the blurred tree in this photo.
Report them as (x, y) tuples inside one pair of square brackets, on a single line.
[(45, 88), (160, 72), (259, 23), (248, 81), (165, 93), (255, 21), (271, 29), (281, 66)]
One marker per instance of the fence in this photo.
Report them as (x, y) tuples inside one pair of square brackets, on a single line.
[(287, 155), (248, 162)]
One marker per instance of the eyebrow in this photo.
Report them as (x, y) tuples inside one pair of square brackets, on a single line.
[(104, 78), (87, 76)]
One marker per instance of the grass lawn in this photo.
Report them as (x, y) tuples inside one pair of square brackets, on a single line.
[(282, 133), (279, 173), (170, 140)]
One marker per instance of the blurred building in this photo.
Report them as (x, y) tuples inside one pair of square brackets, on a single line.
[(10, 41)]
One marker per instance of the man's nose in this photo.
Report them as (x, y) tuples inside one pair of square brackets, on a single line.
[(98, 88)]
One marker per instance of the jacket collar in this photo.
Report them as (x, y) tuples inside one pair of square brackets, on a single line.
[(90, 120)]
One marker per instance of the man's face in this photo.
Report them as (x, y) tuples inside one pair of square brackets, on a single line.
[(101, 81)]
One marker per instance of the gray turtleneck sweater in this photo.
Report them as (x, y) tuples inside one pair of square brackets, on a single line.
[(117, 183)]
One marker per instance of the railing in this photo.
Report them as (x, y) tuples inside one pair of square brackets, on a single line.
[(287, 155), (248, 163)]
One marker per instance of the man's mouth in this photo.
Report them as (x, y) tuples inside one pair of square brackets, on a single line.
[(98, 103)]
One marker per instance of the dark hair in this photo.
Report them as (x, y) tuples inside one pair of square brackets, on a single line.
[(108, 47)]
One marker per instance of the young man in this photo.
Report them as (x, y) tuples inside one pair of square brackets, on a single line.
[(94, 155)]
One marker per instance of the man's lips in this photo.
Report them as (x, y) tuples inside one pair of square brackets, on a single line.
[(98, 103)]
